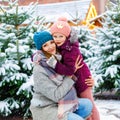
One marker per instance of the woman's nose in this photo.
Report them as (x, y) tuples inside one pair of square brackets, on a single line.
[(50, 47)]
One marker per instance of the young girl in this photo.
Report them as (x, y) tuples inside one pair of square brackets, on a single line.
[(54, 94), (68, 46)]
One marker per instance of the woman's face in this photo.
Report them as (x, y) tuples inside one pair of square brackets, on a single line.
[(59, 38), (49, 47)]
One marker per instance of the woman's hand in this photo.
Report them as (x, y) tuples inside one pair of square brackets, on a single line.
[(78, 63), (36, 58), (90, 81), (73, 77)]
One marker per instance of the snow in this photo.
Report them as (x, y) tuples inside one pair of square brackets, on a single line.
[(27, 63), (109, 109), (71, 9), (4, 107)]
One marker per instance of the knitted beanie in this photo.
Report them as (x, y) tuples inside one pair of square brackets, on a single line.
[(41, 37), (61, 26)]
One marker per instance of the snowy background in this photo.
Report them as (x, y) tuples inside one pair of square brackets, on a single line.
[(109, 109), (16, 48)]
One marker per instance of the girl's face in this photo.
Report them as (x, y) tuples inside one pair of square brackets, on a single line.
[(49, 47), (59, 38)]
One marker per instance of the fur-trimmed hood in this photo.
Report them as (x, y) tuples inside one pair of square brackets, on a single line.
[(73, 35)]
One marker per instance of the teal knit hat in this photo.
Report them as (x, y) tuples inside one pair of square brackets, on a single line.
[(41, 37)]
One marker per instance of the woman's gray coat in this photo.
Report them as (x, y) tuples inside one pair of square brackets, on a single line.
[(44, 104)]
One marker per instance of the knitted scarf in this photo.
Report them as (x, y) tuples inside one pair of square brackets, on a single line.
[(69, 103)]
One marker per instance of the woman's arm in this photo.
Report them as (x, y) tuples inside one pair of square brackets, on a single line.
[(45, 86)]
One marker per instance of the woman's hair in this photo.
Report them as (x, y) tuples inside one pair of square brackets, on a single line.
[(48, 55)]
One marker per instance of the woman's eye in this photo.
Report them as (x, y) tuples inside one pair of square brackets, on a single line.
[(44, 45)]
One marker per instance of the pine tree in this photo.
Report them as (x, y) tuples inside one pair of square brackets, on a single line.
[(17, 26), (106, 59), (87, 44), (86, 40)]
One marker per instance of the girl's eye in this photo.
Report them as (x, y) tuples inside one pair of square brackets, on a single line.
[(61, 36), (54, 36)]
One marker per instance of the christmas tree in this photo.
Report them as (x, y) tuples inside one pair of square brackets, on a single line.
[(87, 45), (86, 40), (17, 26), (106, 59)]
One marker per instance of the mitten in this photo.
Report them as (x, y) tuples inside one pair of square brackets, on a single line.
[(58, 56), (36, 58), (52, 61)]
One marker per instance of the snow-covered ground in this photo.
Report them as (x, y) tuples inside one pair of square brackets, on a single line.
[(109, 109)]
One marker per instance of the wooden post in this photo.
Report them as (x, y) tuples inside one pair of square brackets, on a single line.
[(99, 5)]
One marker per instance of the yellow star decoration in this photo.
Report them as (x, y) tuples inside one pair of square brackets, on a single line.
[(60, 26)]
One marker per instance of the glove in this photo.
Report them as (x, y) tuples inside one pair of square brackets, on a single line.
[(52, 61), (58, 56)]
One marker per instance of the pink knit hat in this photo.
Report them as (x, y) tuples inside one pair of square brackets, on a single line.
[(61, 26)]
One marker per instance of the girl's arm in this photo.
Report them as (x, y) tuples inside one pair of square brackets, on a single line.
[(67, 67), (68, 64), (90, 81)]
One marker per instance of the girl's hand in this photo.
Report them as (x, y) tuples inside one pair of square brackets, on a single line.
[(78, 63), (90, 81)]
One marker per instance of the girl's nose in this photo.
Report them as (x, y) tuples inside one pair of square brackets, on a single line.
[(57, 39)]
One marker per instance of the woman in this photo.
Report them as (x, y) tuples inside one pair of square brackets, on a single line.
[(54, 95)]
